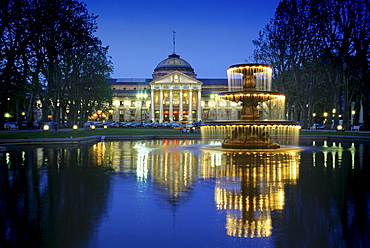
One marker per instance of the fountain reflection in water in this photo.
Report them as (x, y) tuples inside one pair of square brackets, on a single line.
[(262, 123), (250, 186)]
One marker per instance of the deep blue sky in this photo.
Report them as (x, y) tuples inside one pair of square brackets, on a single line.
[(210, 35)]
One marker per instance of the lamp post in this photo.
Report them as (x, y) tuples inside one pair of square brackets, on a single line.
[(141, 96)]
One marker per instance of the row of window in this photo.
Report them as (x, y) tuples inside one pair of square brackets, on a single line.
[(129, 89)]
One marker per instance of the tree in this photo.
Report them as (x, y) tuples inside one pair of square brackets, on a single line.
[(321, 51), (39, 40)]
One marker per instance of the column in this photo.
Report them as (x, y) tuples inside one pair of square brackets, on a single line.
[(190, 104), (171, 106), (180, 106), (161, 105), (152, 107), (199, 108)]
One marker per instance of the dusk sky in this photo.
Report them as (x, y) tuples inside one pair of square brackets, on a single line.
[(210, 35)]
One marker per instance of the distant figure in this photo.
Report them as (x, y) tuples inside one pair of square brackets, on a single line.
[(35, 125)]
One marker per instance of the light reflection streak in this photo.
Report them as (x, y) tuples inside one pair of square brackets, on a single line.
[(142, 160), (333, 155)]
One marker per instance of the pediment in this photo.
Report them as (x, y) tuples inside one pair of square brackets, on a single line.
[(176, 77)]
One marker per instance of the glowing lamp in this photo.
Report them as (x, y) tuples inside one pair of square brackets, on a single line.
[(46, 127), (339, 127), (92, 127), (105, 126), (74, 127)]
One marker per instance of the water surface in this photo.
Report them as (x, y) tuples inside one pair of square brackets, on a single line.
[(177, 193)]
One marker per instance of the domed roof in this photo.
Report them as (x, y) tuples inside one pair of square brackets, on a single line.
[(174, 60), (173, 63)]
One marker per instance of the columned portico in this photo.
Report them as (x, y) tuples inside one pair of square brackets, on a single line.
[(176, 96)]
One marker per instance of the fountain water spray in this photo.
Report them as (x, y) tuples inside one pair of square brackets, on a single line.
[(262, 124)]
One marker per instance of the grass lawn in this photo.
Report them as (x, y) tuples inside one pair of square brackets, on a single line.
[(134, 131), (332, 133), (96, 132)]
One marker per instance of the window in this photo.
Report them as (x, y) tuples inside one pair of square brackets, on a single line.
[(121, 115)]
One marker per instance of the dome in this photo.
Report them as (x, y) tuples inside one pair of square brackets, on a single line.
[(173, 63)]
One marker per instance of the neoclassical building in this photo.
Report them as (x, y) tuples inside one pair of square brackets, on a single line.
[(174, 93)]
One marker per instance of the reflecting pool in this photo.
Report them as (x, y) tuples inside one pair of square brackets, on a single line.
[(180, 193)]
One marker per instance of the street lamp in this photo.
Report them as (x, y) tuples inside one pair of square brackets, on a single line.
[(141, 96)]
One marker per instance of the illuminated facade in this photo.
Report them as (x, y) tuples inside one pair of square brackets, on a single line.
[(174, 93)]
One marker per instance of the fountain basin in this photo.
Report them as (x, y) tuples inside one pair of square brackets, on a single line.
[(251, 134)]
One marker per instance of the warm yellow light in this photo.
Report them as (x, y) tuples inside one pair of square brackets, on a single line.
[(116, 103), (7, 115), (23, 113), (353, 112), (46, 127), (105, 126), (339, 127), (143, 95), (334, 111), (92, 127), (74, 127), (314, 114), (325, 114)]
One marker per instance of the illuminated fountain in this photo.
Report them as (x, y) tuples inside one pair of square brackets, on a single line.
[(262, 124)]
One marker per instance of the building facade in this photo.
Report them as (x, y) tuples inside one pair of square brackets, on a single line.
[(174, 93)]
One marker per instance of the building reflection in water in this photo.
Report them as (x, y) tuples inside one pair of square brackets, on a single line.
[(167, 163), (249, 185)]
